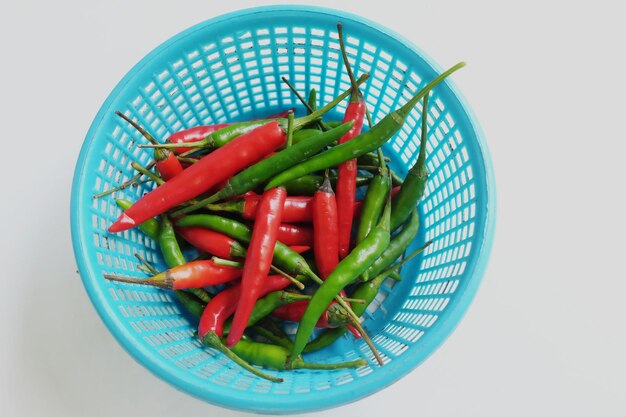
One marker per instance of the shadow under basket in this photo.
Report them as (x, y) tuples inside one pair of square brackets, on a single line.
[(228, 69)]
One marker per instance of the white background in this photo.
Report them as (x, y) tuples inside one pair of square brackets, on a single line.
[(545, 335)]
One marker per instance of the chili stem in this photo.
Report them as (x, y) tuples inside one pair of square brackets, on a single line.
[(140, 129), (124, 185), (152, 269), (144, 269), (310, 109), (355, 87), (142, 182), (289, 128), (147, 173), (381, 159), (214, 341), (289, 277)]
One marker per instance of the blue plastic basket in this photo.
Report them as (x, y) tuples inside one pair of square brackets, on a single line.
[(229, 68)]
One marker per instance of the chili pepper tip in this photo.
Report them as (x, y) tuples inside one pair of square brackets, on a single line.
[(124, 222)]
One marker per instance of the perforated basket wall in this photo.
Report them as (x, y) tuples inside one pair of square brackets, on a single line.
[(229, 68)]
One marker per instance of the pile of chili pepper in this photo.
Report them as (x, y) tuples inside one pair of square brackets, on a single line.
[(270, 207)]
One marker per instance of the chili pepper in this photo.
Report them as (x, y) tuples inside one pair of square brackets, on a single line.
[(227, 134), (307, 185), (150, 227), (347, 171), (353, 265), (367, 292), (300, 248), (275, 357), (293, 235), (190, 303), (258, 259), (224, 304), (212, 242), (297, 209), (312, 101), (396, 247), (199, 293), (362, 144), (258, 173), (415, 182), (194, 274), (166, 161), (271, 331), (325, 237), (373, 204), (201, 176), (169, 245)]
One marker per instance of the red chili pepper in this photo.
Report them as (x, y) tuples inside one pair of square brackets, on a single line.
[(224, 304), (195, 134), (212, 242), (201, 176), (346, 173), (290, 235), (297, 209), (195, 274), (325, 237), (300, 248), (258, 259)]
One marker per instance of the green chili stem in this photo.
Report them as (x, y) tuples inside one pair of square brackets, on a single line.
[(381, 159), (151, 268), (226, 262), (144, 269), (310, 109), (213, 340), (147, 173), (142, 182), (124, 185), (140, 129), (289, 129), (355, 93), (267, 334)]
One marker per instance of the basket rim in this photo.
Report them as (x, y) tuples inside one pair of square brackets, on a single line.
[(312, 400)]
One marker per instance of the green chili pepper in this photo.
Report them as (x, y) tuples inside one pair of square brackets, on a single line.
[(169, 245), (362, 144), (200, 294), (150, 227), (260, 172), (275, 357), (312, 100), (415, 182), (190, 303), (373, 204), (307, 185), (396, 248), (353, 265)]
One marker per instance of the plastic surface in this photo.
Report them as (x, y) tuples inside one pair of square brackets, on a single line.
[(229, 68)]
